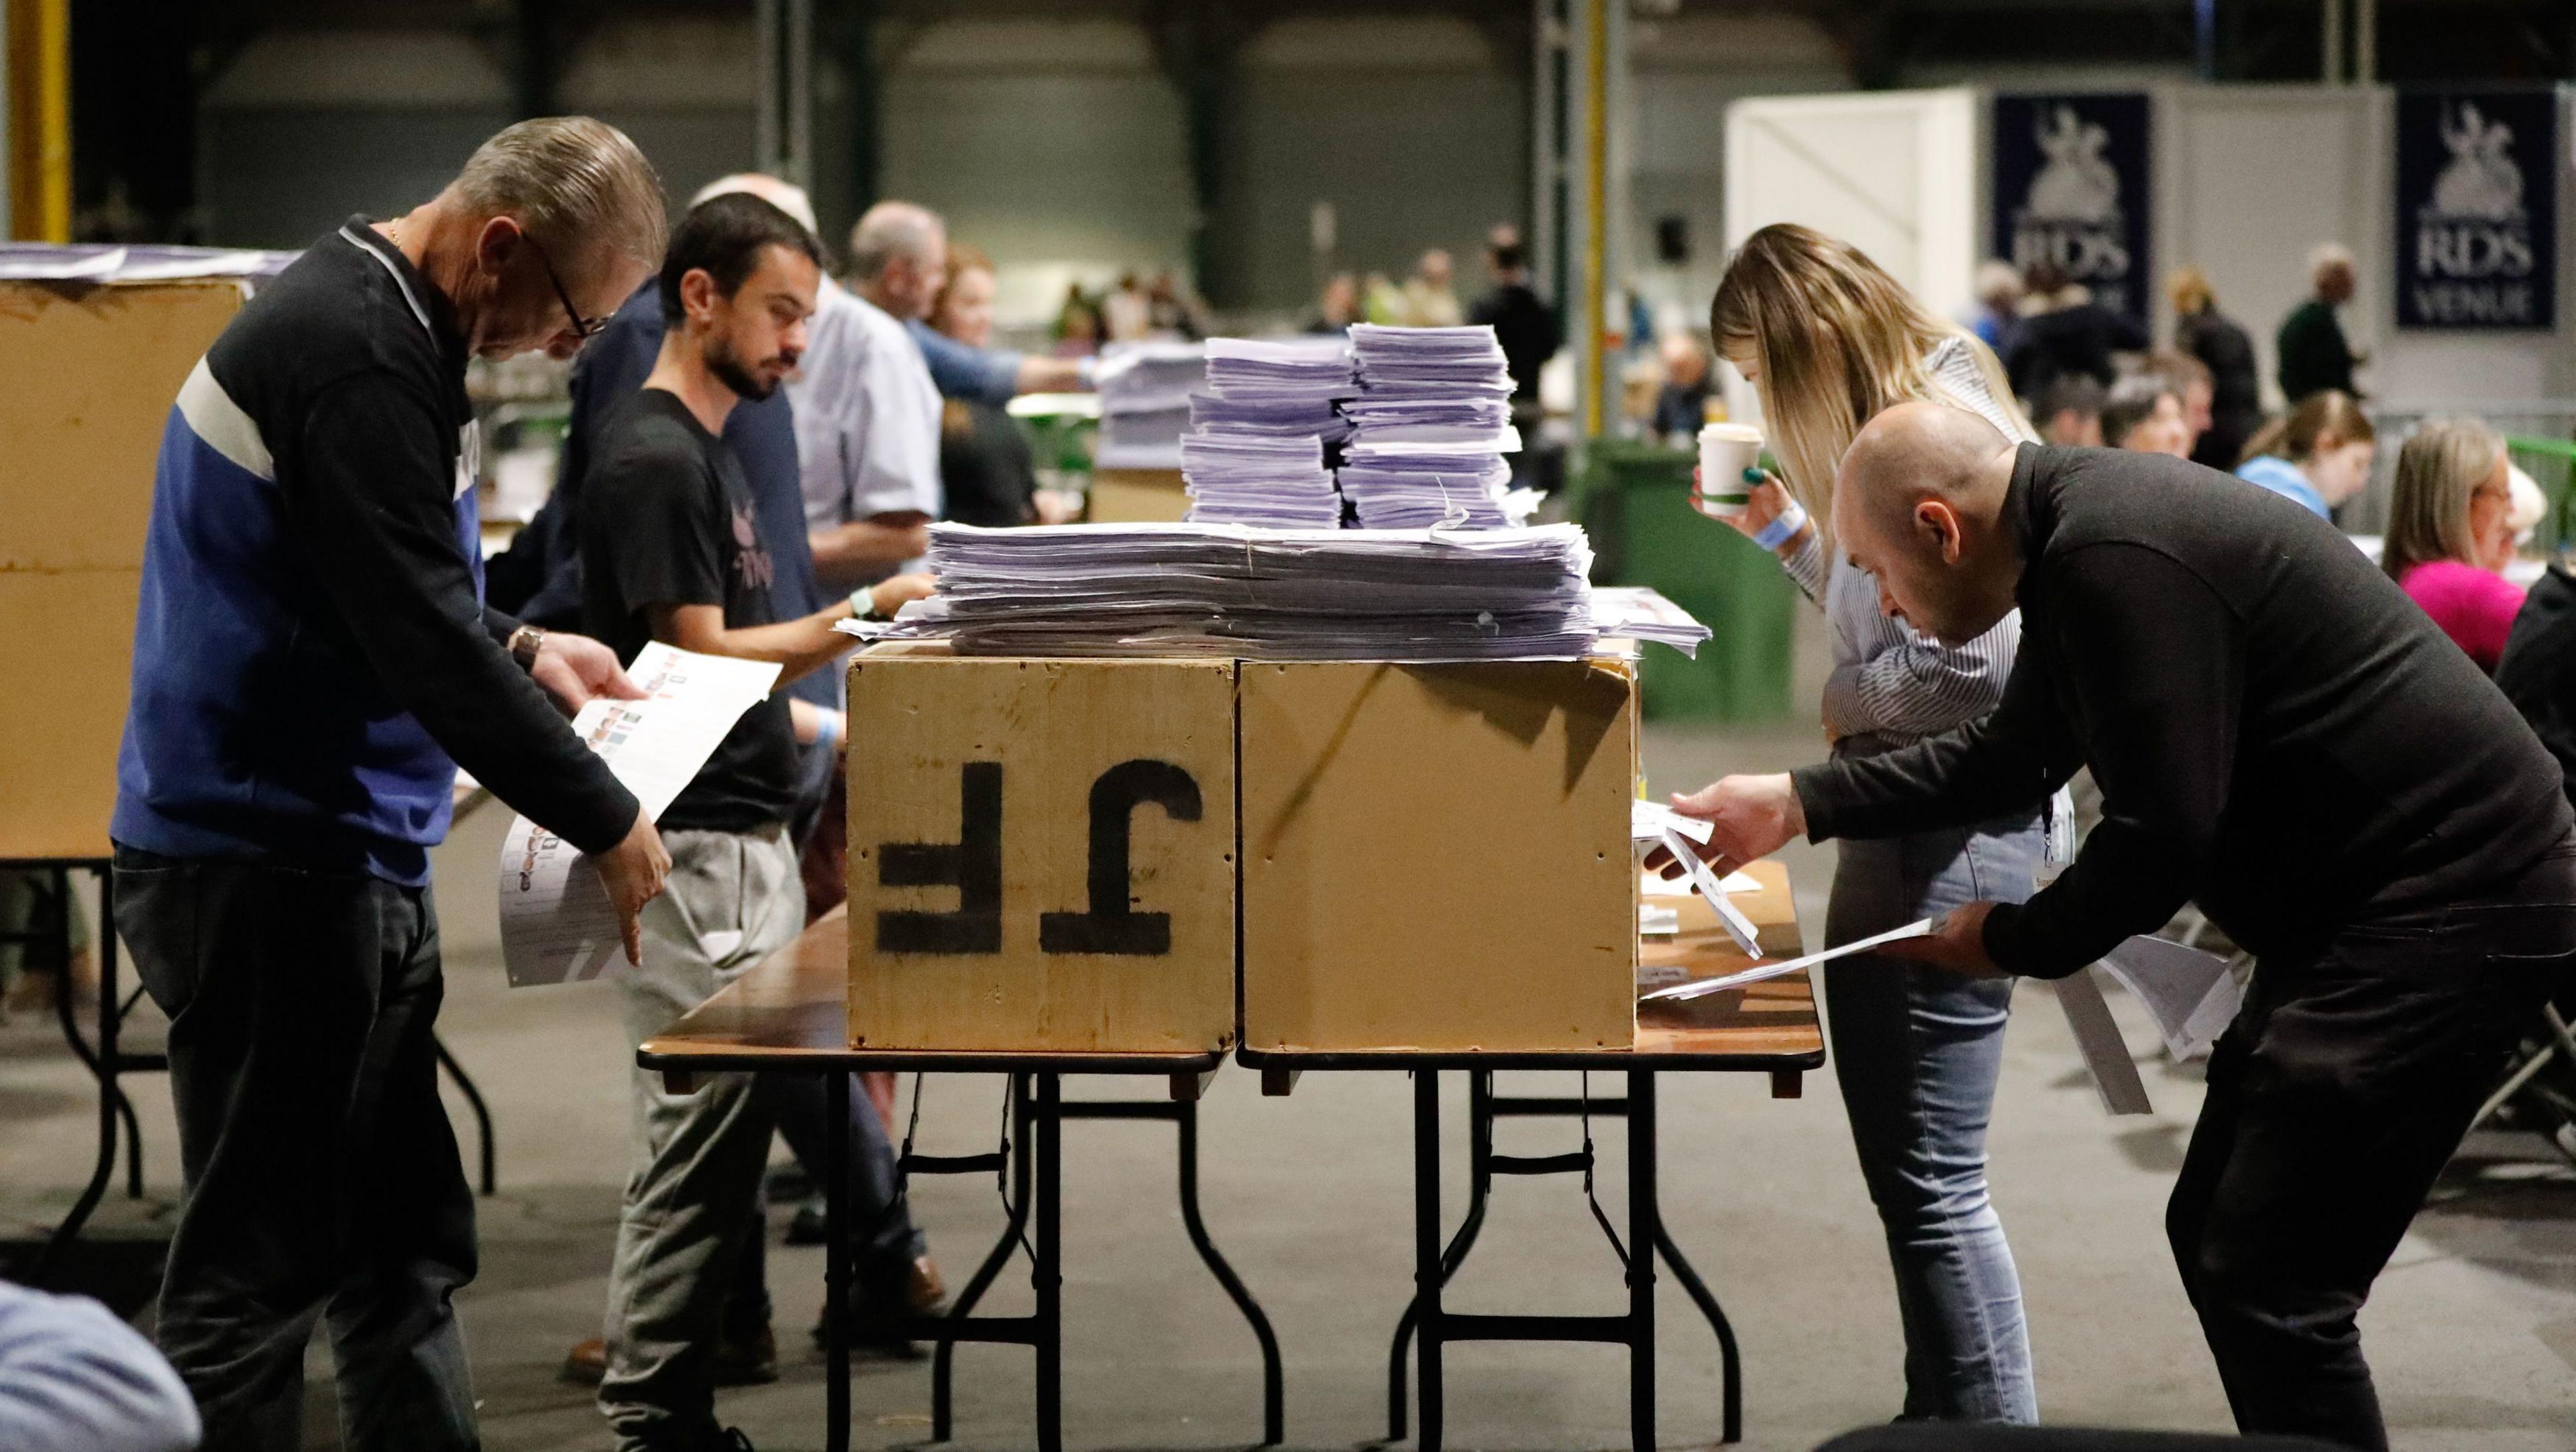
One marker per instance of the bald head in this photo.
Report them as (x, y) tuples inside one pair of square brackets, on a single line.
[(1917, 502), (786, 196), (1914, 452), (899, 257), (894, 231)]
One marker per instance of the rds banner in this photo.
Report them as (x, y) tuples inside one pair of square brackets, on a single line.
[(2071, 187), (2477, 209)]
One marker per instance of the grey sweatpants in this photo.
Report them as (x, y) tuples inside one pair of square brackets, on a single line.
[(697, 1159)]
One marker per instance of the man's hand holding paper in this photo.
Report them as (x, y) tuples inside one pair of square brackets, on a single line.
[(1749, 817), (576, 670), (1956, 944)]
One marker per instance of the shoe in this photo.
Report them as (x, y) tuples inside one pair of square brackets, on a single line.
[(739, 1360), (877, 1330), (924, 1293), (750, 1360), (787, 1183)]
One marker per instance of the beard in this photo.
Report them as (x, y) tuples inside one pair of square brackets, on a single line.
[(722, 362)]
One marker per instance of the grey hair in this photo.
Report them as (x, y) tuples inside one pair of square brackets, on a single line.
[(2329, 255), (890, 230), (570, 180)]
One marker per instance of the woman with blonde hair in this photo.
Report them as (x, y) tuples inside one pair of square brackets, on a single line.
[(2317, 455), (1828, 340), (2450, 532)]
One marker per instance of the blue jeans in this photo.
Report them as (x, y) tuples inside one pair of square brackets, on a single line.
[(1916, 1051)]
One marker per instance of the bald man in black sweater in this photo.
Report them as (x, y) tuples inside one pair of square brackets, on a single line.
[(2281, 736)]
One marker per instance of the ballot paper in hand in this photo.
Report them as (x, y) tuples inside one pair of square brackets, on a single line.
[(1700, 988), (1648, 821), (1650, 884), (2190, 994), (557, 925), (1704, 878)]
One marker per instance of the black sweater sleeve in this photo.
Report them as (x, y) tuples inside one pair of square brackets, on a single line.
[(2007, 760), (2159, 660), (372, 505)]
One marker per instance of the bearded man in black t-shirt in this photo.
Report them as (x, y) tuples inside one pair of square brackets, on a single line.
[(670, 553)]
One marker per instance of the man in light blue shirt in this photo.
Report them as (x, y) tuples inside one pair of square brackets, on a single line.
[(994, 375)]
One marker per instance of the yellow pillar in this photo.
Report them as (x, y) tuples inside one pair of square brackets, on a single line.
[(40, 120), (1592, 312)]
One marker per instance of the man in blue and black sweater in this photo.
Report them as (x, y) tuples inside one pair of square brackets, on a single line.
[(312, 662)]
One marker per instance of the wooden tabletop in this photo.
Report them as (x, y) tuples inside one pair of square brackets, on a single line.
[(792, 1012), (793, 1009)]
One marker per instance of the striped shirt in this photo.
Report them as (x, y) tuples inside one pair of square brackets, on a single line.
[(1891, 687)]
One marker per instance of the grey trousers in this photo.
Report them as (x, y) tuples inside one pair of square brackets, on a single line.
[(697, 1158)]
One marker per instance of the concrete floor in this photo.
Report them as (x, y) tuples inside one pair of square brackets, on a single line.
[(2473, 1330)]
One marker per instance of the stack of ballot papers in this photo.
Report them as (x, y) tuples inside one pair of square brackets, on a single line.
[(1632, 612), (1254, 453), (1145, 393), (1264, 594), (50, 262), (1429, 429)]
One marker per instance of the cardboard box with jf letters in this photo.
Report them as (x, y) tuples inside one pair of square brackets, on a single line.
[(1436, 856), (1046, 856), (1042, 853)]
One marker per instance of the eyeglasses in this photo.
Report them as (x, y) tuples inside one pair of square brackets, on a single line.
[(582, 328)]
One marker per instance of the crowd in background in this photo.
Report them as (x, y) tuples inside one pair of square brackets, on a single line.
[(2086, 374)]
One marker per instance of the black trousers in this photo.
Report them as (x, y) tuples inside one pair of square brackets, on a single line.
[(322, 1178), (2334, 1101)]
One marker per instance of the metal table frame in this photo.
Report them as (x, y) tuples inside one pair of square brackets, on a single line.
[(1430, 1322), (107, 1060), (1036, 1172)]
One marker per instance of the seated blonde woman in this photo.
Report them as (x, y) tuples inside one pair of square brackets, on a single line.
[(2450, 533)]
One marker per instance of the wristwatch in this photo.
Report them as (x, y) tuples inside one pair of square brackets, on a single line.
[(525, 642), (863, 603)]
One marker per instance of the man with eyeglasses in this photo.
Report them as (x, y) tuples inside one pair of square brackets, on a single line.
[(312, 662)]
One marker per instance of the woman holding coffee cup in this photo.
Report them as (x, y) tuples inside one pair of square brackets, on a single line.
[(1828, 340)]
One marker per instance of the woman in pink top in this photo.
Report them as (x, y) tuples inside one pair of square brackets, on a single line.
[(2450, 532)]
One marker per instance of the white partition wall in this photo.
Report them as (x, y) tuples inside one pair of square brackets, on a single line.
[(1895, 173), (2250, 178)]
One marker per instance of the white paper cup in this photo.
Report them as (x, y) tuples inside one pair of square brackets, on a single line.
[(1726, 450)]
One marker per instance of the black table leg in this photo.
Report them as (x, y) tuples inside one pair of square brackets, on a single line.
[(1426, 1249), (473, 1100), (1480, 1182), (1014, 1229), (1730, 1363), (100, 1062), (836, 1261), (1644, 1229), (1047, 1273), (1273, 1397)]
